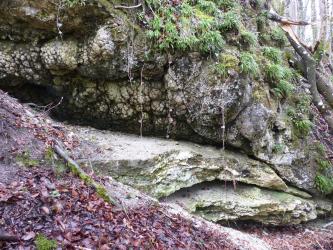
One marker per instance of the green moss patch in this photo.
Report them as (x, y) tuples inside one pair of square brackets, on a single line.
[(43, 243)]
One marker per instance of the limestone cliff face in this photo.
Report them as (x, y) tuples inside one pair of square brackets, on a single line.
[(111, 76)]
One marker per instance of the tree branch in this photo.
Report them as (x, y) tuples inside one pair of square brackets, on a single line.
[(272, 15), (8, 238), (318, 85), (76, 169), (127, 7)]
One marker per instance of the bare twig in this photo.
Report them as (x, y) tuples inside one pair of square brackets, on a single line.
[(127, 7), (75, 168), (328, 224), (8, 238), (54, 106)]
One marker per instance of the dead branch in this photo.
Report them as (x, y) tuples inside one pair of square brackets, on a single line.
[(76, 169), (127, 7), (321, 92), (272, 15), (8, 238)]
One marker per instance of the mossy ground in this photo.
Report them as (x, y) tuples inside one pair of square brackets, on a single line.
[(43, 243)]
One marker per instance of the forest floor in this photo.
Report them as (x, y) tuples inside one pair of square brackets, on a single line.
[(38, 202), (306, 236)]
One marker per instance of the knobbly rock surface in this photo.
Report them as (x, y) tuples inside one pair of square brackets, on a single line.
[(98, 61)]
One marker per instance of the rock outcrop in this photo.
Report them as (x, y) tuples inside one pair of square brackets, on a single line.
[(216, 202), (204, 180), (99, 61)]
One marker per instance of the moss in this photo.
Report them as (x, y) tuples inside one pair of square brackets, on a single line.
[(321, 149), (86, 178), (259, 95), (102, 192), (100, 189), (324, 184), (25, 160), (226, 63), (43, 243), (322, 47), (49, 155)]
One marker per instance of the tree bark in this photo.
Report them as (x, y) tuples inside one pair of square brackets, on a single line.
[(319, 85), (8, 238)]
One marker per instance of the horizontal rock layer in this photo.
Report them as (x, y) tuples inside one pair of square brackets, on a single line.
[(203, 179), (216, 202)]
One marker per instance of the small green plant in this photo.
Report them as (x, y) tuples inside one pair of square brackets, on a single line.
[(55, 194), (189, 26), (283, 89), (278, 148), (272, 54), (299, 116), (264, 38), (72, 3), (303, 103), (303, 126), (276, 72), (324, 184), (248, 64), (226, 4), (25, 160), (321, 149), (248, 38), (211, 41), (231, 22), (208, 7), (262, 21), (279, 37), (323, 165), (43, 243)]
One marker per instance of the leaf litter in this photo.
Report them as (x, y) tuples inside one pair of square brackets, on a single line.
[(78, 218)]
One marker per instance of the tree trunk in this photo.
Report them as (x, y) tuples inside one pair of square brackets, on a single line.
[(320, 87)]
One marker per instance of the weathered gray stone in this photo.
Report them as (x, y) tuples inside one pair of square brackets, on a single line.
[(254, 121), (60, 56), (217, 202), (161, 167)]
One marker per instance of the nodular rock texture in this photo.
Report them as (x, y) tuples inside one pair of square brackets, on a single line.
[(99, 61)]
